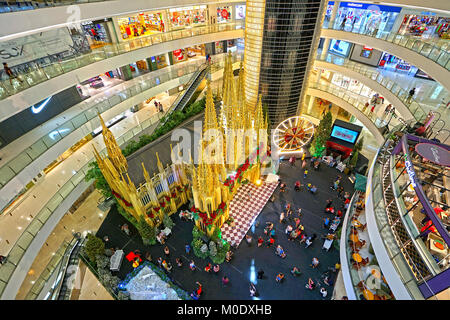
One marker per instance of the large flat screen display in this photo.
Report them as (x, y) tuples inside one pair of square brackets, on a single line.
[(344, 134)]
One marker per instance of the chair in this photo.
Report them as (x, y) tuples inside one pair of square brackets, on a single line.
[(364, 262)]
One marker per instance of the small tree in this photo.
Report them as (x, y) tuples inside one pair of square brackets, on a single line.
[(94, 247), (354, 159), (147, 232), (322, 134), (167, 221), (359, 145)]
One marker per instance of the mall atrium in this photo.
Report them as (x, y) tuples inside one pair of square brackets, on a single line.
[(225, 150)]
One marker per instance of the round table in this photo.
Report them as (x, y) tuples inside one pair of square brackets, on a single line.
[(357, 257), (376, 273)]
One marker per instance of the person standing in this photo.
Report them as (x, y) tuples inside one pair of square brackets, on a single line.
[(248, 239), (305, 173), (324, 292), (188, 249)]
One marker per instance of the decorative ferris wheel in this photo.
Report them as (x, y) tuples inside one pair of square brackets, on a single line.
[(292, 134)]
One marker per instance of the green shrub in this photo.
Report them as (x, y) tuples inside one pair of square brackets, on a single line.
[(196, 246), (94, 247), (100, 183), (147, 232)]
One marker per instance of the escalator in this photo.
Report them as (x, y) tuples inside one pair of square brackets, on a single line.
[(188, 94), (69, 268)]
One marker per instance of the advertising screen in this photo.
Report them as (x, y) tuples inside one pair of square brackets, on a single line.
[(240, 12), (339, 47), (344, 134)]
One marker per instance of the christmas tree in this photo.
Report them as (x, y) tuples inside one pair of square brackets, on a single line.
[(322, 134)]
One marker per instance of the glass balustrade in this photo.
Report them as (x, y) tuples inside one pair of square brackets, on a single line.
[(356, 102), (57, 68), (413, 106), (433, 49), (89, 118), (22, 244)]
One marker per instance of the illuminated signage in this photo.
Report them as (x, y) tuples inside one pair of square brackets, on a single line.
[(41, 107), (344, 134)]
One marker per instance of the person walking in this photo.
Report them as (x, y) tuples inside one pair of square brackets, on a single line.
[(411, 94), (323, 291), (253, 292), (188, 249), (225, 281), (260, 274), (326, 222), (305, 173), (248, 239), (216, 269), (10, 73), (329, 203), (166, 251), (314, 263), (192, 265), (344, 21)]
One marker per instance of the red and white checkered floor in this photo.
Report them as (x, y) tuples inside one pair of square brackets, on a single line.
[(244, 208)]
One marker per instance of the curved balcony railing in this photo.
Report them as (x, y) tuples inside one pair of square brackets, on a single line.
[(405, 258), (57, 68), (356, 102), (413, 106), (59, 259), (370, 283), (13, 167), (24, 241), (437, 51)]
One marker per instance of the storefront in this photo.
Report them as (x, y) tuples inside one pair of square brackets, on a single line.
[(425, 25), (367, 18), (352, 85), (184, 17), (97, 33), (141, 24), (224, 14)]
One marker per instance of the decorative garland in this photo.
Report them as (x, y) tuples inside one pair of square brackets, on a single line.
[(203, 216), (120, 198)]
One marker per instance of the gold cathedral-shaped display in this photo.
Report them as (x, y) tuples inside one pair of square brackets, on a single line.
[(228, 156)]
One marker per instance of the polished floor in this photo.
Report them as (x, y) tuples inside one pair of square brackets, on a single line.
[(87, 218), (247, 260)]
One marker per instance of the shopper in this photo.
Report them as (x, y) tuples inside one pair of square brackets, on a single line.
[(279, 277), (166, 251), (411, 94), (260, 274), (305, 173), (315, 262), (179, 262), (192, 265), (188, 249), (248, 239), (253, 292), (324, 292), (344, 21), (216, 268), (10, 73), (225, 281)]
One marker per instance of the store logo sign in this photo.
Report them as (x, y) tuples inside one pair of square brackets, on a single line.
[(41, 107), (358, 5)]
